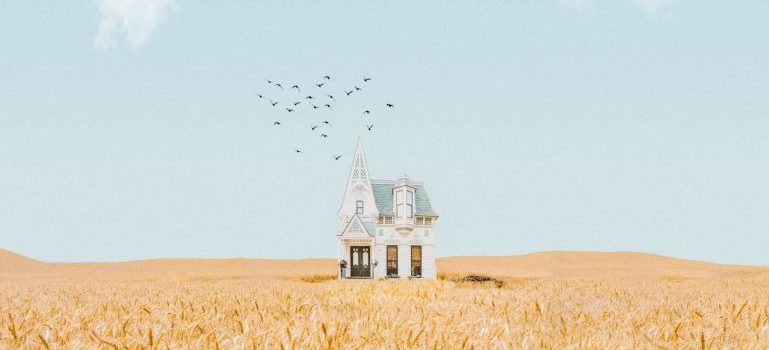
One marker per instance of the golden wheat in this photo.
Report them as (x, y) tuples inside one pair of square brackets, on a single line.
[(272, 312)]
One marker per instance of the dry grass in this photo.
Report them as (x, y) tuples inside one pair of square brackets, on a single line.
[(131, 306)]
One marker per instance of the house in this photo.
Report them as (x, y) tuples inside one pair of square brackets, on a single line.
[(386, 227)]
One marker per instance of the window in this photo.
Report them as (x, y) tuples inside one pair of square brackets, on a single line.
[(388, 220), (380, 220), (359, 207), (399, 204), (416, 260), (428, 221), (410, 203), (420, 220), (392, 260)]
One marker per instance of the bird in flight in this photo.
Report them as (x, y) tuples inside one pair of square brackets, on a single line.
[(326, 122), (320, 85), (331, 97), (323, 135), (369, 127), (337, 157), (296, 103), (327, 105), (314, 127), (308, 98), (278, 85), (348, 92), (260, 95), (326, 77), (367, 112), (389, 105), (296, 87), (358, 89), (289, 110), (315, 107), (297, 151), (273, 103), (268, 81), (366, 79), (276, 123)]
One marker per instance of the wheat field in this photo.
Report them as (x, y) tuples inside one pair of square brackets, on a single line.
[(547, 301)]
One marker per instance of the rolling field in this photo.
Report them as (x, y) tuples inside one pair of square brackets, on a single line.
[(555, 300)]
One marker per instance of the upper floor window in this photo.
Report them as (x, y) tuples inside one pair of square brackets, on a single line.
[(410, 203), (359, 207), (399, 204)]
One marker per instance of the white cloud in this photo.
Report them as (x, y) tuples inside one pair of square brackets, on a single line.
[(654, 6), (136, 19)]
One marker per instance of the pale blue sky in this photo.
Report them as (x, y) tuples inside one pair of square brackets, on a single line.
[(536, 125)]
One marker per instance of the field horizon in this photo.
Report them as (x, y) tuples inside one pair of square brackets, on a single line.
[(555, 299), (544, 264)]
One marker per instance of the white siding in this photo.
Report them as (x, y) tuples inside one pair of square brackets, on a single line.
[(404, 260), (429, 270)]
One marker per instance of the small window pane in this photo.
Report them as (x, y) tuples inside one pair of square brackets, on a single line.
[(410, 197), (428, 221), (359, 207), (400, 211)]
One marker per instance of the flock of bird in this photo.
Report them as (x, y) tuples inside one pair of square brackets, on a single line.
[(316, 97)]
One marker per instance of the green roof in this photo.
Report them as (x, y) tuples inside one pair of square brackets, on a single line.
[(383, 195)]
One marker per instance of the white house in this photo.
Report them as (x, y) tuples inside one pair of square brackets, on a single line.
[(386, 227)]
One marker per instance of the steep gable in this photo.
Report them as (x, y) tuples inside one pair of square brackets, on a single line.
[(357, 228), (358, 187)]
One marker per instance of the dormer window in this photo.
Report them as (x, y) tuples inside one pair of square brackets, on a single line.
[(359, 207), (399, 204), (410, 203)]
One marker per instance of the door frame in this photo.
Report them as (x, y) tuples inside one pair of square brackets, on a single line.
[(365, 272)]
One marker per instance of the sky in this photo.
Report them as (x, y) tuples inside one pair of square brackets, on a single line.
[(132, 130)]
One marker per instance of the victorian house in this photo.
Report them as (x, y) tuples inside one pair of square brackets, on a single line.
[(386, 227)]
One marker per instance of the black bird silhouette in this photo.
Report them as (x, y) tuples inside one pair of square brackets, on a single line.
[(366, 79), (289, 110), (331, 97), (315, 107), (358, 89), (314, 127), (276, 123), (348, 92), (320, 85), (389, 105), (369, 127), (323, 135), (367, 112), (268, 81), (297, 151), (326, 77), (260, 95), (308, 98), (278, 85), (337, 157), (296, 87), (326, 122), (273, 103), (327, 105), (296, 103)]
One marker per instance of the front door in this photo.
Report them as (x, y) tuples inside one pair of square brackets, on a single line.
[(360, 258)]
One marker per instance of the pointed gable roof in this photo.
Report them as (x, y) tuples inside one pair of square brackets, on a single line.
[(359, 175), (358, 184), (357, 228)]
